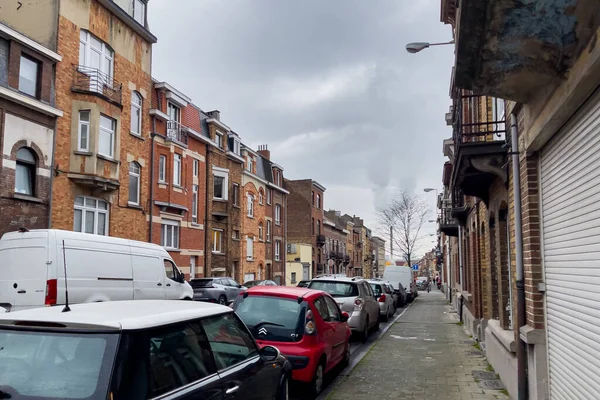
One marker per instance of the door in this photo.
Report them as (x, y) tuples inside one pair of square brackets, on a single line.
[(233, 285), (305, 272), (326, 331), (570, 196), (244, 375), (370, 303), (148, 278), (173, 288), (339, 330)]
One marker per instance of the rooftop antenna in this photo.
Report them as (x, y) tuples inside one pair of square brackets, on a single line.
[(67, 308)]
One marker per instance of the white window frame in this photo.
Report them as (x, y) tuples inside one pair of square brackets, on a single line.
[(277, 250), (111, 136), (269, 195), (260, 198), (196, 167), (217, 248), (79, 131), (136, 108), (278, 177), (219, 139), (162, 168), (177, 169), (236, 146), (250, 205), (137, 4), (250, 249), (105, 52), (260, 231), (194, 204), (249, 162), (269, 227), (135, 174), (96, 210), (318, 201), (177, 112), (277, 214), (164, 232), (222, 173), (235, 189)]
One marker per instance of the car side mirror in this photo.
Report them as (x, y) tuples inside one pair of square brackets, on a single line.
[(269, 353), (239, 286), (345, 316)]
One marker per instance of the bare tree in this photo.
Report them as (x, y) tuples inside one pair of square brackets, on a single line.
[(406, 214)]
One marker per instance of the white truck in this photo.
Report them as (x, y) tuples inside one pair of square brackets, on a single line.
[(99, 268), (404, 275)]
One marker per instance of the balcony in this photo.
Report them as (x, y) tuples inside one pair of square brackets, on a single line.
[(92, 81), (510, 49), (320, 240), (177, 133), (448, 224), (479, 137), (459, 209), (346, 259)]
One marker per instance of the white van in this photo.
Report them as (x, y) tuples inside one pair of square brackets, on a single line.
[(404, 275), (99, 268)]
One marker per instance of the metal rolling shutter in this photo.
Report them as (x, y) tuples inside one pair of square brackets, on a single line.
[(570, 186)]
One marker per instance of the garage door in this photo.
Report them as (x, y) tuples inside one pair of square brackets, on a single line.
[(570, 185)]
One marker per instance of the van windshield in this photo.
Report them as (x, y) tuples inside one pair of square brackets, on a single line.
[(272, 318), (49, 365), (335, 289)]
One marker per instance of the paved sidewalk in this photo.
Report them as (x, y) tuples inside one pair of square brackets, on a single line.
[(424, 355)]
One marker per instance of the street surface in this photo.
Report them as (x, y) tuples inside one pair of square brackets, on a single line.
[(424, 354)]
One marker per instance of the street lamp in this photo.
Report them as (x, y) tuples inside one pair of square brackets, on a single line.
[(416, 47)]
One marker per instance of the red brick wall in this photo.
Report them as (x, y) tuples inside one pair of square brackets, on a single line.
[(250, 229)]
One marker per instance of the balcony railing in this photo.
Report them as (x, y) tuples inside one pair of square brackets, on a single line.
[(478, 119), (458, 198), (320, 240), (93, 81), (177, 132)]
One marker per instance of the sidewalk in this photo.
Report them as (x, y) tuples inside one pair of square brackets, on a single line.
[(424, 355)]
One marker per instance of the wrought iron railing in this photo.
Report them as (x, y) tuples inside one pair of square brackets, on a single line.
[(478, 119), (92, 80), (177, 132), (458, 198), (320, 240)]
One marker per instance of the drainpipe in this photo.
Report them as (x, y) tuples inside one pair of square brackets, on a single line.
[(152, 135), (52, 174), (206, 234), (285, 236), (521, 349)]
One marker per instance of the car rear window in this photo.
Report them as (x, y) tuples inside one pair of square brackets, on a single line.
[(198, 283), (377, 289), (336, 289), (52, 365), (272, 318)]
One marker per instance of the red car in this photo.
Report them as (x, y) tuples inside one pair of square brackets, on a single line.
[(306, 325)]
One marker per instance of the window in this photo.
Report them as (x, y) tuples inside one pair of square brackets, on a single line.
[(91, 215), (195, 168), (169, 237), (174, 112), (268, 231), (278, 214), (277, 177), (236, 146), (171, 270), (318, 201), (333, 309), (277, 250), (249, 163), (250, 205), (318, 227), (260, 198), (313, 226), (219, 140), (250, 248), (177, 169), (134, 183), (25, 172), (220, 184), (106, 146), (83, 134), (260, 230), (321, 308), (268, 196), (136, 113), (293, 277), (195, 204), (236, 194), (313, 198), (95, 59), (229, 339), (139, 9), (217, 241), (162, 169), (236, 234), (28, 76)]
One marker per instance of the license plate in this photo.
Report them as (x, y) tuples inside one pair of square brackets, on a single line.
[(199, 293)]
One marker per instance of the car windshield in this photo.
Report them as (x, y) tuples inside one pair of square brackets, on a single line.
[(336, 289), (198, 283), (377, 289), (250, 284), (49, 365), (272, 318)]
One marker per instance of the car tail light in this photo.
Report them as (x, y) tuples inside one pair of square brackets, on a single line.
[(358, 304), (310, 328), (51, 292), (382, 298)]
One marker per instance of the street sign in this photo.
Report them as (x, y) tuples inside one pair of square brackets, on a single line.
[(415, 267)]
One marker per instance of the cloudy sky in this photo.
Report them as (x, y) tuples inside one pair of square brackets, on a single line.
[(326, 84)]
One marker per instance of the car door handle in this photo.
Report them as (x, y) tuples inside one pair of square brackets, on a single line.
[(22, 291), (232, 390), (168, 284), (159, 284)]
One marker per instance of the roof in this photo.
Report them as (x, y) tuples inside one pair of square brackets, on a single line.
[(283, 291), (338, 278), (118, 315)]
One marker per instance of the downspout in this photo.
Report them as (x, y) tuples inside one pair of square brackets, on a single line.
[(285, 211), (151, 207), (206, 235), (52, 174), (460, 270), (521, 346)]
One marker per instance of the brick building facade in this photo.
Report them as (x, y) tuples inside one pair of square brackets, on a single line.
[(28, 113), (335, 243)]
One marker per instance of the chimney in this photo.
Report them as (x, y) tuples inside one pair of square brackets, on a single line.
[(264, 151), (216, 114)]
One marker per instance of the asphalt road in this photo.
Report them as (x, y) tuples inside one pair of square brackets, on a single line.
[(357, 351)]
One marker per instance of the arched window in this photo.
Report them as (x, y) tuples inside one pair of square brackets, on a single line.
[(260, 230), (136, 113), (134, 183), (91, 215), (25, 172)]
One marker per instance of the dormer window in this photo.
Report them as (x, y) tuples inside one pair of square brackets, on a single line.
[(219, 140), (139, 11), (277, 177), (249, 163), (236, 146)]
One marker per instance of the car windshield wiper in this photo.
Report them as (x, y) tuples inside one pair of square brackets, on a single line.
[(267, 323)]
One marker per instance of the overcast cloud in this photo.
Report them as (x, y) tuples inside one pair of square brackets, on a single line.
[(326, 84)]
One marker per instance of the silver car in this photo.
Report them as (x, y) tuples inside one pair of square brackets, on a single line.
[(356, 297), (385, 298), (216, 290)]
